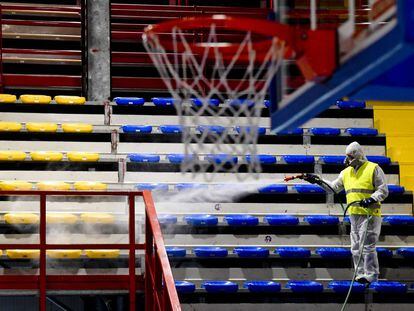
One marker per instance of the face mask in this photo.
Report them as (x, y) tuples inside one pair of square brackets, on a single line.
[(350, 161)]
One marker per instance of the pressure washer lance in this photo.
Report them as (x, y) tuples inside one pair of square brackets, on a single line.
[(369, 217)]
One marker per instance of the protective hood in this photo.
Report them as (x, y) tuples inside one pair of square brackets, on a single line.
[(354, 155)]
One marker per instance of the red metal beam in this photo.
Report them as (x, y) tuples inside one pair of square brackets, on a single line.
[(164, 270)]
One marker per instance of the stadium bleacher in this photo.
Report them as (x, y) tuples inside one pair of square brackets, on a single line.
[(280, 244)]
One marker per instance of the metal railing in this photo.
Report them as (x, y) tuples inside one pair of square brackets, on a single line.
[(157, 281)]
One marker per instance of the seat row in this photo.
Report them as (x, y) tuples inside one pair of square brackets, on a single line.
[(271, 188), (178, 158), (140, 101), (197, 220), (59, 218), (45, 127), (273, 220), (169, 101), (11, 185), (42, 99), (283, 252), (305, 286), (218, 130), (62, 254), (49, 127), (75, 156)]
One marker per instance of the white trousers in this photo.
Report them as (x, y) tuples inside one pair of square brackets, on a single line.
[(368, 267)]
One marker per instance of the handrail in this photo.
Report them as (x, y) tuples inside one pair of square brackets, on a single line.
[(158, 283), (164, 294)]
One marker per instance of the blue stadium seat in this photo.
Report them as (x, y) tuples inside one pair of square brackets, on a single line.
[(171, 129), (143, 157), (305, 188), (347, 219), (262, 158), (210, 251), (251, 251), (220, 286), (241, 101), (295, 131), (188, 186), (293, 252), (163, 101), (382, 160), (133, 101), (152, 187), (241, 220), (304, 286), (384, 252), (399, 220), (178, 158), (274, 188), (358, 131), (350, 104), (318, 220), (184, 287), (298, 159), (406, 252), (332, 159), (281, 220), (167, 219), (221, 158), (342, 287), (262, 286), (247, 129), (333, 252), (176, 252), (325, 131), (211, 129), (201, 220), (212, 102), (389, 287), (137, 128), (396, 189)]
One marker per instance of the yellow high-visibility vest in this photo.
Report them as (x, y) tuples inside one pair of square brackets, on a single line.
[(360, 185)]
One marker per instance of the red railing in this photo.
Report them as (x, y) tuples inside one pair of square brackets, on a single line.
[(157, 282)]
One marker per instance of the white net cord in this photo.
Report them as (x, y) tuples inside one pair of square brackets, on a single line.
[(218, 99)]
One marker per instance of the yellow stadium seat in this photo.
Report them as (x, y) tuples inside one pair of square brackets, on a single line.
[(102, 253), (46, 156), (41, 127), (52, 185), (12, 155), (89, 185), (35, 99), (97, 218), (64, 253), (77, 127), (70, 100), (7, 98), (61, 218), (21, 218), (83, 156), (10, 126), (15, 185), (23, 253)]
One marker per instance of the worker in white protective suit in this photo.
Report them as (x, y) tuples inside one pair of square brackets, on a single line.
[(363, 181)]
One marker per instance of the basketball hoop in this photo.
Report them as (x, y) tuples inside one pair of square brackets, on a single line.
[(218, 70)]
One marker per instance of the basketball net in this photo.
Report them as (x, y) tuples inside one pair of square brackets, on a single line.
[(219, 114)]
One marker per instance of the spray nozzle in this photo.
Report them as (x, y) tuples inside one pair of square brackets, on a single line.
[(289, 178)]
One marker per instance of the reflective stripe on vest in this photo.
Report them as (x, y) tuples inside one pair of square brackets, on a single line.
[(360, 185)]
